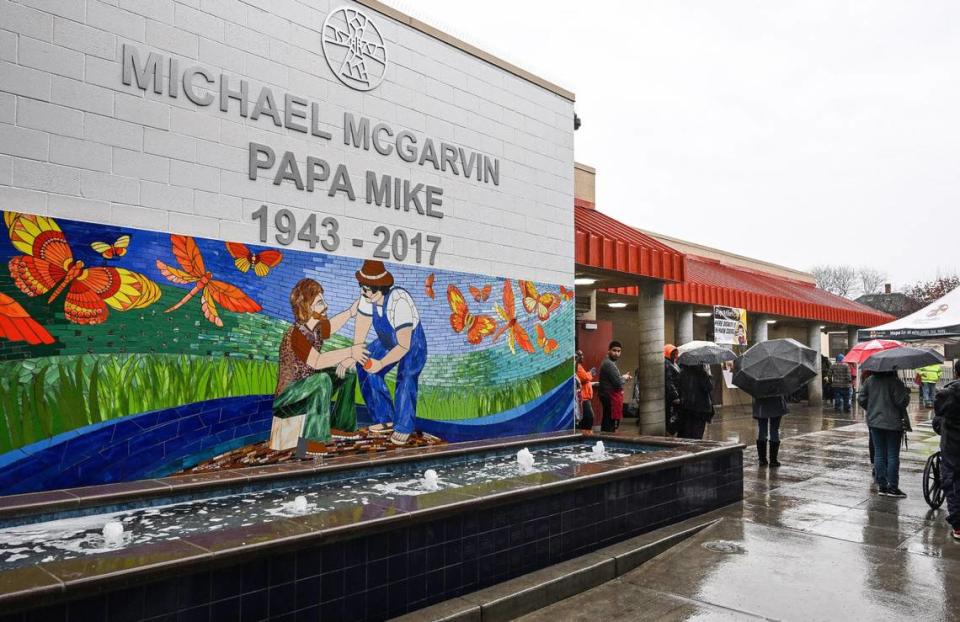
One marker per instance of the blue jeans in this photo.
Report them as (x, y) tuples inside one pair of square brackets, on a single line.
[(927, 391), (841, 399), (886, 457), (773, 425)]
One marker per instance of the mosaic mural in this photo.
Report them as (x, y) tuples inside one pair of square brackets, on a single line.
[(127, 354)]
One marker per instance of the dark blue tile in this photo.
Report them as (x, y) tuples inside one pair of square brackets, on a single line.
[(283, 568), (378, 573), (193, 590), (160, 598), (378, 601), (226, 583), (195, 614), (225, 610), (308, 592), (282, 599), (125, 605), (92, 608), (309, 563), (254, 606), (255, 575), (55, 613)]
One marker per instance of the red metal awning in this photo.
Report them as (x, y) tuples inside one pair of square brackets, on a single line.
[(608, 244), (709, 282)]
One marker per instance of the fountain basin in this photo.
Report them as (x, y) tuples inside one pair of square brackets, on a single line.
[(390, 555)]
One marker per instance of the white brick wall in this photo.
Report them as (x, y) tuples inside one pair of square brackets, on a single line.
[(76, 142)]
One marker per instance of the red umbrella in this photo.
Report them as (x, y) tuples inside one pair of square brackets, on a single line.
[(862, 351)]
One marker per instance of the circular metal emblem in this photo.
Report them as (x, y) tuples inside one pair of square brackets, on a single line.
[(354, 49)]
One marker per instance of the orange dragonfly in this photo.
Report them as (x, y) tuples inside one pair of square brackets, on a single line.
[(47, 267), (516, 334), (194, 271)]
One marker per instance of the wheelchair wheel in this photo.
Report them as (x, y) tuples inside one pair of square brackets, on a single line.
[(932, 492)]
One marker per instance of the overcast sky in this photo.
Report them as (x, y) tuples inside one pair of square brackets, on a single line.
[(804, 132)]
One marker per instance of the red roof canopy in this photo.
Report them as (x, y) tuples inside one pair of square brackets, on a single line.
[(608, 244), (708, 282)]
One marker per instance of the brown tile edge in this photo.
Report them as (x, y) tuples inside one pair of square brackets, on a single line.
[(463, 46), (538, 589)]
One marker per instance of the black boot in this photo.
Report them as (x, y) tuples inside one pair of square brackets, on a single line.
[(762, 453), (774, 450)]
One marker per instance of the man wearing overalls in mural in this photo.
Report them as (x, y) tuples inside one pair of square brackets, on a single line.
[(400, 344)]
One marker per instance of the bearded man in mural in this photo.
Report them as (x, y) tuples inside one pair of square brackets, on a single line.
[(400, 343), (302, 402)]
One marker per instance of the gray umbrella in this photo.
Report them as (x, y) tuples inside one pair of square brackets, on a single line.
[(901, 358), (704, 353), (775, 367)]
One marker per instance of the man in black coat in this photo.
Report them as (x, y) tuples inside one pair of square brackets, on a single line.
[(946, 422), (696, 401)]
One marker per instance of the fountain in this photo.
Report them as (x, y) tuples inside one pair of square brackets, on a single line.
[(430, 479), (300, 504), (525, 460), (113, 533), (353, 511)]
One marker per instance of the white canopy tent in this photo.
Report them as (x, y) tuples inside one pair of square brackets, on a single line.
[(940, 320)]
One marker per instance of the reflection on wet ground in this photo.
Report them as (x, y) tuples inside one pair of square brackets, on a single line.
[(810, 541)]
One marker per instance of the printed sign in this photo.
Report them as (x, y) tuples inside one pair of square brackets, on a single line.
[(730, 326)]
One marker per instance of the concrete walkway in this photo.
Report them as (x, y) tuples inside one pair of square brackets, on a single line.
[(810, 541)]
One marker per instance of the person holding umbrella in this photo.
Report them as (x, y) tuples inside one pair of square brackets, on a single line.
[(768, 411), (770, 371), (696, 385), (885, 399)]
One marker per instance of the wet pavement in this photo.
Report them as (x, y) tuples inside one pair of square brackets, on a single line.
[(810, 541)]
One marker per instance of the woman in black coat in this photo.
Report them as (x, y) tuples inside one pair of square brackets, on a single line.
[(696, 400), (768, 411)]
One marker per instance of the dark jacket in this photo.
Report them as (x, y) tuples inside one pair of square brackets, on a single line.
[(696, 392), (671, 376), (609, 376), (769, 407), (840, 376), (885, 398), (946, 419)]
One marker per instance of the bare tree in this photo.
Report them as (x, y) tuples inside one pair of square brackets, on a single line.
[(871, 280), (839, 280), (927, 292)]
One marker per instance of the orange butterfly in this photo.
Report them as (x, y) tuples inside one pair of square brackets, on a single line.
[(232, 298), (565, 293), (481, 295), (244, 258), (112, 251), (48, 266), (547, 345), (428, 285), (534, 302), (476, 326), (516, 335), (17, 325)]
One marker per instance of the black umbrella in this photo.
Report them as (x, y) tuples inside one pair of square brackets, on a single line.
[(901, 358), (704, 353), (775, 367)]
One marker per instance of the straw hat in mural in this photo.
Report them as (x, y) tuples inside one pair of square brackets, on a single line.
[(374, 274)]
